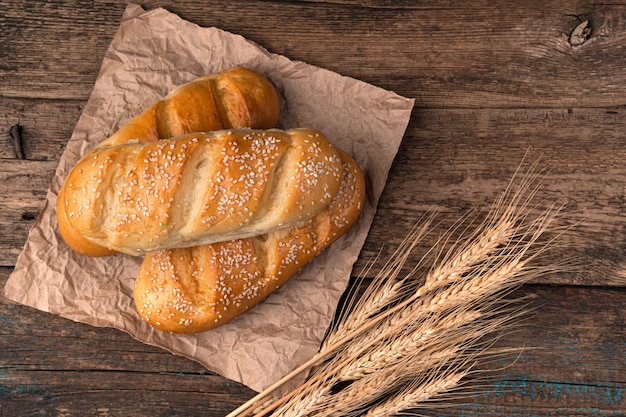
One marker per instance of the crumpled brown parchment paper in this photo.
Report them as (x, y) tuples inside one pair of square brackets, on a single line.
[(152, 52)]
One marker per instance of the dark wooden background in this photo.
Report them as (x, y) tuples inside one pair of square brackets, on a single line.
[(492, 80)]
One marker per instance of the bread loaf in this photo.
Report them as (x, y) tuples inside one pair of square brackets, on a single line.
[(199, 288), (224, 218), (198, 188), (231, 99)]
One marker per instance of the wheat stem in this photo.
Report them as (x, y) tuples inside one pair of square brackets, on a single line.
[(413, 397), (386, 289), (366, 390), (305, 403), (413, 310), (410, 344)]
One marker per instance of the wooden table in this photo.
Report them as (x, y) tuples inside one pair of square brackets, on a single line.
[(492, 81)]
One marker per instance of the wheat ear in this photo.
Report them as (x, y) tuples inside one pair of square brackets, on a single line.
[(465, 279), (415, 395)]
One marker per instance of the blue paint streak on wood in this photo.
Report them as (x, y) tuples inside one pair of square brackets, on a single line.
[(7, 389), (474, 410), (560, 391), (585, 399)]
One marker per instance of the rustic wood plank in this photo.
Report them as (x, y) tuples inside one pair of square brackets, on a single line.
[(457, 160), (46, 126), (51, 365), (99, 394), (572, 365), (54, 49), (448, 55), (23, 185)]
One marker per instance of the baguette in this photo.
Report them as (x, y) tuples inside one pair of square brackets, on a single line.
[(196, 289), (231, 99), (198, 188)]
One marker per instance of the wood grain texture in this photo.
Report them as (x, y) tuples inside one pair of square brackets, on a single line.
[(493, 82), (572, 366), (457, 160), (562, 371), (54, 366), (25, 184), (47, 125), (443, 55), (53, 50)]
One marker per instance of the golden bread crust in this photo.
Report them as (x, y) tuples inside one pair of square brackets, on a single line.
[(196, 289), (224, 218), (234, 98), (200, 188)]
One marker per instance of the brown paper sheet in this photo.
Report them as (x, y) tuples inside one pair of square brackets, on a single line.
[(152, 52)]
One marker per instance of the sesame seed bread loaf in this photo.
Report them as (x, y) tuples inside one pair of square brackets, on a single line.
[(196, 289), (198, 188), (231, 99), (224, 215)]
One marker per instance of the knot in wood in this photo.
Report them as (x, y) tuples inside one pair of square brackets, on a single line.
[(580, 34), (16, 134)]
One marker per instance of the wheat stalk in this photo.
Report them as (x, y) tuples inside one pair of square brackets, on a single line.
[(416, 395), (413, 337), (413, 343), (386, 288), (367, 390), (432, 346)]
